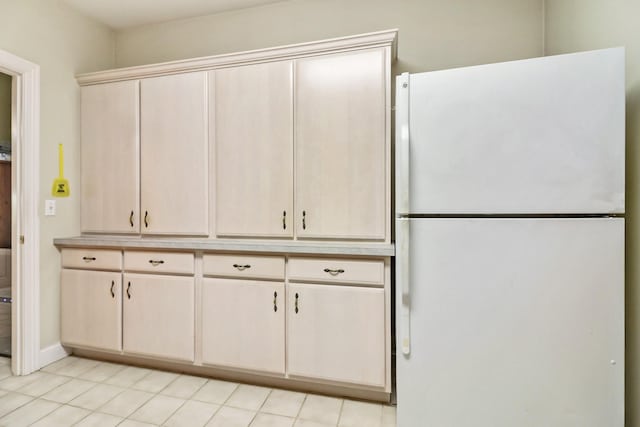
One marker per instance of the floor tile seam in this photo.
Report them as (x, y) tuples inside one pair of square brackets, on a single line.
[(35, 421), (300, 408), (132, 386), (74, 397), (262, 411), (138, 407), (19, 406), (107, 378), (195, 401), (340, 412), (214, 412), (86, 416), (42, 394), (192, 394), (237, 386), (166, 419)]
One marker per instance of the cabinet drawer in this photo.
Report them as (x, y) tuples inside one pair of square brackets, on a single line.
[(238, 265), (92, 259), (159, 262), (368, 272)]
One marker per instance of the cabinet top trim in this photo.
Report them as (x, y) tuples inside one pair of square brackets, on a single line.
[(369, 40), (309, 248)]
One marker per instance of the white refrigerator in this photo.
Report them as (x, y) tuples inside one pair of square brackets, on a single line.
[(510, 185)]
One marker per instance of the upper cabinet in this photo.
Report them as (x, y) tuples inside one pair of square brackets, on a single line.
[(341, 146), (110, 158), (253, 139), (174, 155), (284, 143)]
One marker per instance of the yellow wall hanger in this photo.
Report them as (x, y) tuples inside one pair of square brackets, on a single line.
[(60, 184)]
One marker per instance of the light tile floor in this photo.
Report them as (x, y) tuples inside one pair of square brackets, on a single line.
[(84, 392)]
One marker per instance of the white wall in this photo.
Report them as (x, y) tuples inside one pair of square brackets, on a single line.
[(575, 25), (434, 34), (63, 43)]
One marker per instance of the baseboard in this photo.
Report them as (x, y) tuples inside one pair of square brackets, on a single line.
[(52, 354)]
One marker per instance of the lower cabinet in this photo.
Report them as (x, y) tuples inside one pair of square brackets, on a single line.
[(336, 333), (243, 324), (313, 319), (91, 309), (158, 316)]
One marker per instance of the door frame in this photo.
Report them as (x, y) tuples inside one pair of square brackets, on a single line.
[(25, 224)]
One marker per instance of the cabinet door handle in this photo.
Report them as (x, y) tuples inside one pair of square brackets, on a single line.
[(146, 219), (333, 272), (156, 262), (128, 293), (304, 220), (284, 220), (241, 267), (296, 304), (275, 301), (89, 258), (131, 219), (113, 295)]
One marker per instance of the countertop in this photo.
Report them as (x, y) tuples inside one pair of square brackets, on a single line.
[(229, 245)]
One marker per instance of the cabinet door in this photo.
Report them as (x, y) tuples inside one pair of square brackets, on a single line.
[(341, 165), (336, 333), (174, 155), (254, 150), (243, 324), (110, 186), (91, 309), (158, 316)]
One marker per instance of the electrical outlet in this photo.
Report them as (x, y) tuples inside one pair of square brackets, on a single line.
[(49, 207)]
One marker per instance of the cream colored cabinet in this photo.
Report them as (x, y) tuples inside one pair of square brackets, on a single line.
[(243, 324), (341, 164), (254, 149), (109, 181), (336, 333), (91, 309), (158, 316), (174, 155)]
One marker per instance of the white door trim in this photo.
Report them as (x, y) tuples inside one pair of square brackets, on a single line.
[(25, 260)]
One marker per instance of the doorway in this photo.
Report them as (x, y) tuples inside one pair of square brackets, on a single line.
[(25, 230), (5, 214)]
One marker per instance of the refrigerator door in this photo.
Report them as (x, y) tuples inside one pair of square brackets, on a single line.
[(537, 136), (514, 322)]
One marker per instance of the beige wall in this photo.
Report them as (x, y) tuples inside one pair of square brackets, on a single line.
[(63, 43), (5, 107), (434, 34), (575, 25)]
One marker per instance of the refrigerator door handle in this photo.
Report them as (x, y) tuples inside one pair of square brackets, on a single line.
[(403, 279), (402, 144)]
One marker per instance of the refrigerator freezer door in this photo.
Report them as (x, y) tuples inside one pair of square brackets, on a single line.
[(514, 322), (543, 135)]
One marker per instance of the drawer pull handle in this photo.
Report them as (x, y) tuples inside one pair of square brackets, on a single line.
[(113, 295), (146, 219), (333, 272), (296, 304), (128, 293), (241, 267), (275, 301), (131, 219), (89, 258), (156, 262), (284, 220), (304, 220)]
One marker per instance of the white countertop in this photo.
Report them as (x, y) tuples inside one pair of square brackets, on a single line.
[(228, 245)]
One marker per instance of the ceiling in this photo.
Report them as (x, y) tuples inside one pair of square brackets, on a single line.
[(121, 14)]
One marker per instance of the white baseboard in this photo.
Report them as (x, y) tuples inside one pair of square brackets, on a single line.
[(52, 354)]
